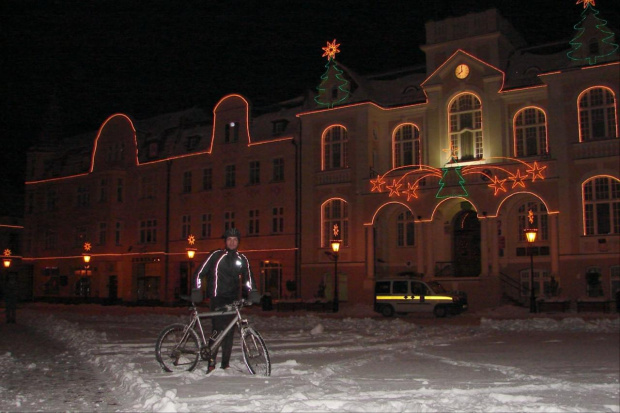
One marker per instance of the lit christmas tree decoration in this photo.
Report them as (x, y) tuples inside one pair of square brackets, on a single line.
[(593, 41)]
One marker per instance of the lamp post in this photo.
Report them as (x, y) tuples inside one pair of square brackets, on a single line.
[(530, 234), (6, 260), (335, 243), (191, 252)]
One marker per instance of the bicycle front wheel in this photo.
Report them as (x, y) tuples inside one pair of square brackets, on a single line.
[(176, 349), (255, 354)]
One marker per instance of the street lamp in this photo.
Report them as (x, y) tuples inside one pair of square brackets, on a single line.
[(191, 252), (335, 243), (530, 234), (6, 261)]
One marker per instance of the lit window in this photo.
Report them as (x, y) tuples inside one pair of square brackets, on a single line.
[(530, 132), (335, 212), (335, 147), (601, 206), (597, 114), (465, 125), (406, 143)]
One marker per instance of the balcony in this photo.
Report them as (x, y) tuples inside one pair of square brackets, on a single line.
[(596, 149), (336, 176)]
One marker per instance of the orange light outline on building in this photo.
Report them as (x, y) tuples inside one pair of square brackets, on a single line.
[(323, 142), (450, 101), (419, 157), (374, 215), (514, 128), (542, 201), (583, 92), (583, 199), (147, 163), (323, 214)]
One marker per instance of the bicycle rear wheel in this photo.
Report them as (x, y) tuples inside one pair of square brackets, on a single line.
[(255, 353), (177, 350)]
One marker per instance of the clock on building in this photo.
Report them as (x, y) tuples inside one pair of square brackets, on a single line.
[(461, 71)]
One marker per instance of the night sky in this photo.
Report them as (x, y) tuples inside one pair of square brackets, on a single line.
[(88, 59)]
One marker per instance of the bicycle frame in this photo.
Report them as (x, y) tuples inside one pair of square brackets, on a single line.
[(195, 323)]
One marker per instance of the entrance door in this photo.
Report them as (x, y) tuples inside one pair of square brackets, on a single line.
[(466, 244)]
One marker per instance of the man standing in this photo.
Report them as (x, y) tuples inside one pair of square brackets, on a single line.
[(223, 270)]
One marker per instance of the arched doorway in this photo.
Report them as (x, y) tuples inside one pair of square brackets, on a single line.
[(466, 244)]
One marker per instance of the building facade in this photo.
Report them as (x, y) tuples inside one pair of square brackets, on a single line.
[(432, 171)]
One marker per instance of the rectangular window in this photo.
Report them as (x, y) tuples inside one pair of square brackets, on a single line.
[(205, 226), (186, 227), (229, 220), (187, 182), (103, 230), (207, 179), (117, 233), (278, 170), (254, 173), (120, 190), (253, 222), (147, 188), (230, 176), (148, 231), (83, 196), (277, 220), (103, 190)]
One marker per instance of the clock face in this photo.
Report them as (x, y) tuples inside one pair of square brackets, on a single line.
[(461, 71)]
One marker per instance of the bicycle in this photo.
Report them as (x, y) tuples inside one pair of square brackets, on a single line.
[(180, 347)]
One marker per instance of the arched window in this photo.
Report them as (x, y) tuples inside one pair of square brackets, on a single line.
[(335, 212), (540, 217), (335, 147), (597, 114), (601, 206), (465, 126), (406, 144), (530, 132)]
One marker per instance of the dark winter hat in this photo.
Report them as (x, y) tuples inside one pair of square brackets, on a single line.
[(232, 232)]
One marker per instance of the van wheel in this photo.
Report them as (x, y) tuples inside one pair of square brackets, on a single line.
[(440, 311), (387, 311)]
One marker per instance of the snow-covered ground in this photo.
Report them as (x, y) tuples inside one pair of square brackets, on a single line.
[(499, 361)]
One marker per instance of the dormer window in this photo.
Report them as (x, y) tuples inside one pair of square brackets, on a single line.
[(279, 126), (153, 149), (192, 142), (231, 132)]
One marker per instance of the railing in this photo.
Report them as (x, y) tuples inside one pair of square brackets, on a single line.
[(596, 149), (511, 288), (336, 176)]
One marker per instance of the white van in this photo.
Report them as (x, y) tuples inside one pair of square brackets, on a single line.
[(402, 295)]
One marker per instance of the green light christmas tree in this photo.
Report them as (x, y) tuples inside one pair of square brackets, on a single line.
[(594, 41), (334, 88)]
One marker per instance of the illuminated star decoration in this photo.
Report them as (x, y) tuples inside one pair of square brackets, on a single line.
[(530, 216), (453, 151), (586, 2), (536, 171), (191, 240), (411, 190), (498, 185), (7, 252), (330, 50), (336, 231), (87, 246), (394, 188), (517, 179), (377, 184)]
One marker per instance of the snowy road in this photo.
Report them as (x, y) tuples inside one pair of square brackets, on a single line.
[(356, 364)]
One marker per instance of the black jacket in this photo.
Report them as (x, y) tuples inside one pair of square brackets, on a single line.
[(223, 270)]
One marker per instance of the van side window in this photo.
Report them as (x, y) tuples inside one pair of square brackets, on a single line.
[(418, 288), (400, 287), (382, 287)]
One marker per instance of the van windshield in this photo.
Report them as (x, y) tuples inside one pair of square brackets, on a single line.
[(438, 288)]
